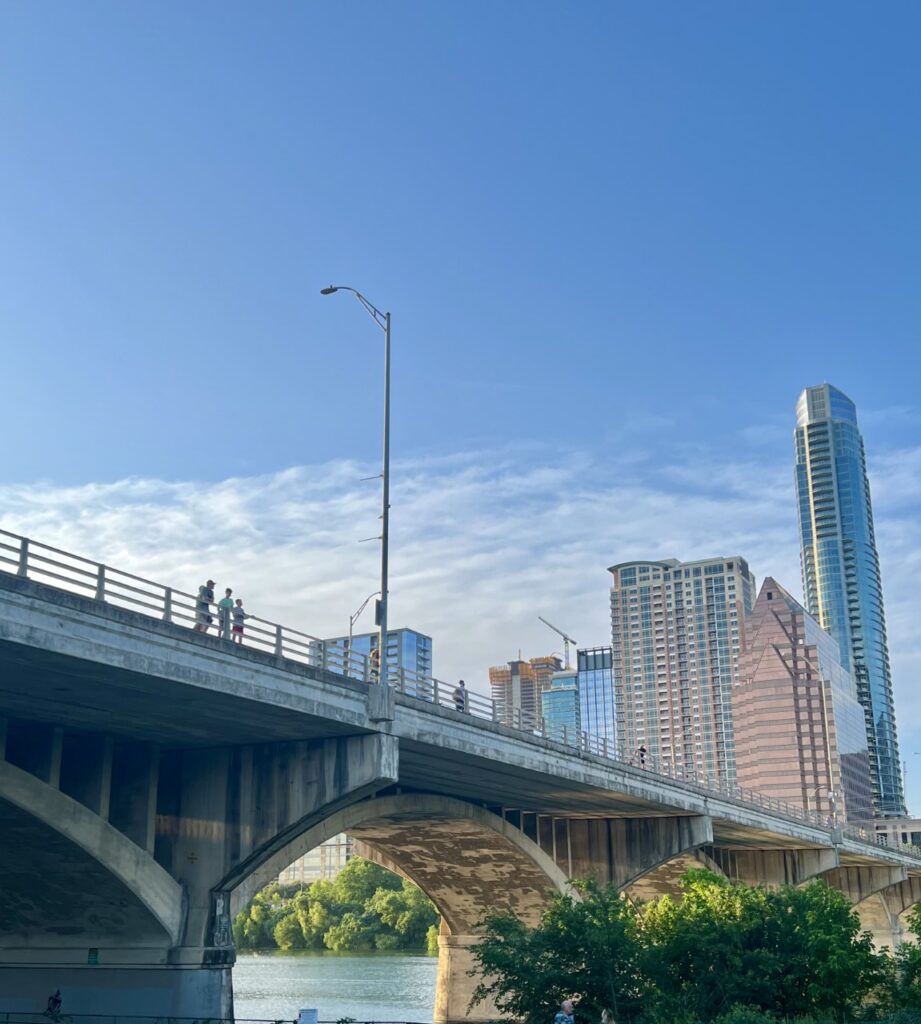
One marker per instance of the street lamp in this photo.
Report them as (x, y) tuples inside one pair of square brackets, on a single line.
[(383, 321), (352, 620)]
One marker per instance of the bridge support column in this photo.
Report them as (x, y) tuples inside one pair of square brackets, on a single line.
[(454, 988)]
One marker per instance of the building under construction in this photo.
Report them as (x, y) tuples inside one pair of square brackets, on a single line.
[(517, 686)]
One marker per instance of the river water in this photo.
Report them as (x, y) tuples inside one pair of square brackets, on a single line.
[(373, 987)]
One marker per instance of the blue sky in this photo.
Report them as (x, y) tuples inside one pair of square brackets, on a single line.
[(617, 240)]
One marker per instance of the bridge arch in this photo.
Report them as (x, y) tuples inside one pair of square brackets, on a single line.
[(467, 860), (664, 879), (83, 881), (464, 858)]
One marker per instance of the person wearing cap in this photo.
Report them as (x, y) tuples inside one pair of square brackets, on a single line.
[(203, 604)]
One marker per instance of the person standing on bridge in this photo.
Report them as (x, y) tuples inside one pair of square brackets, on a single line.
[(203, 607), (239, 617), (224, 608), (565, 1013), (460, 696)]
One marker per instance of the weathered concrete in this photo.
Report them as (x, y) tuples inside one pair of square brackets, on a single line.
[(774, 867), (228, 763), (79, 875)]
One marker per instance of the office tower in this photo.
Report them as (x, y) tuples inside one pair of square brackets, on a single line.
[(596, 694), (677, 629), (560, 706), (516, 688), (324, 861), (409, 657), (799, 728), (840, 565)]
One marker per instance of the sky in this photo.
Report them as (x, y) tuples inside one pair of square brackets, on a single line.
[(616, 239)]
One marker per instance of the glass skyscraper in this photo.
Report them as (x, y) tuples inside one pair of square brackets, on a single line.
[(596, 693), (409, 657), (560, 707), (840, 566), (799, 728)]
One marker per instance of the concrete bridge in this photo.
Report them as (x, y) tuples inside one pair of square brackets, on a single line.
[(152, 778)]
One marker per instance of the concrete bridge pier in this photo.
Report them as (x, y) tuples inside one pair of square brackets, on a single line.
[(118, 860), (455, 986)]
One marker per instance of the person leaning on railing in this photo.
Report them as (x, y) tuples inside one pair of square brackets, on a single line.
[(203, 602)]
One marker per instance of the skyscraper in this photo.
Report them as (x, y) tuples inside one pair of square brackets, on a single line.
[(799, 728), (409, 657), (677, 629), (516, 688), (596, 693), (560, 707), (840, 568)]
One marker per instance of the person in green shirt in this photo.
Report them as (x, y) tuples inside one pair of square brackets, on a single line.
[(224, 607)]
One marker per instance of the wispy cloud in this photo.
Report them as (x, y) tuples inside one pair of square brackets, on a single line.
[(483, 542)]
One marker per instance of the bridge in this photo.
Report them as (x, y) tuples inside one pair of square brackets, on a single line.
[(152, 778)]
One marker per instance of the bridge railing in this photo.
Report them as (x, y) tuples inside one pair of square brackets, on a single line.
[(75, 574), (55, 567)]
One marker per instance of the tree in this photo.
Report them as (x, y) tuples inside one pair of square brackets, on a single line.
[(586, 949), (358, 881), (407, 911), (354, 933), (287, 933), (788, 951)]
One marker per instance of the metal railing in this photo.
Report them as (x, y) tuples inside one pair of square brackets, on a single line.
[(47, 1017), (65, 571), (75, 574)]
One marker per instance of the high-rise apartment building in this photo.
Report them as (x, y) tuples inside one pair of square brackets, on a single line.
[(596, 694), (516, 688), (799, 728), (409, 657), (840, 565), (322, 862), (677, 629), (560, 706)]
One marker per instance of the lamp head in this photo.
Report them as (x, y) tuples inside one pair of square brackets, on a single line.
[(328, 291)]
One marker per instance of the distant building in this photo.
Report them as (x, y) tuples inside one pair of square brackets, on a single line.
[(841, 578), (892, 831), (323, 862), (409, 657), (516, 688), (676, 632), (799, 728), (560, 706), (596, 694)]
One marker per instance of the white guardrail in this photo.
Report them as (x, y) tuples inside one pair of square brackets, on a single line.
[(28, 558)]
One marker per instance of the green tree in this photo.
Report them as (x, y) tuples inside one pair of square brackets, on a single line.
[(354, 933), (586, 949), (407, 911), (359, 880), (287, 933), (793, 952)]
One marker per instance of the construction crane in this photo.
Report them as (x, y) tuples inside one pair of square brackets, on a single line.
[(567, 640)]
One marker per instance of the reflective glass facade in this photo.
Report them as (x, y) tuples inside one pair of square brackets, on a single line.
[(409, 657), (560, 706), (840, 566), (676, 632), (596, 693), (799, 728)]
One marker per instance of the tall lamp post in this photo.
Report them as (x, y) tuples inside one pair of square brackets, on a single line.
[(383, 321)]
